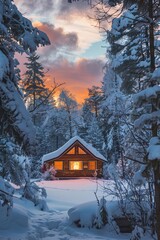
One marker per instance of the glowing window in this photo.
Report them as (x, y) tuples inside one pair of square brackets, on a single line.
[(75, 165), (58, 165), (72, 151), (80, 151), (92, 165)]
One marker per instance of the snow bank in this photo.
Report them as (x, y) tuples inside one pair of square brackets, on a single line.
[(87, 214), (84, 214), (16, 219), (27, 222)]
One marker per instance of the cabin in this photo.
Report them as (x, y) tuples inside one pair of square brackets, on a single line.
[(76, 158)]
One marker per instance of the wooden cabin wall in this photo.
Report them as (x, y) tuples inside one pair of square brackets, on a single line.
[(66, 172)]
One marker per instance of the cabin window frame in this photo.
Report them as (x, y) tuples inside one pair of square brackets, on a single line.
[(89, 165), (74, 153), (81, 149), (70, 161), (62, 165)]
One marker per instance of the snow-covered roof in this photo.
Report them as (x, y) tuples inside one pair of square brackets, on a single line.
[(62, 149)]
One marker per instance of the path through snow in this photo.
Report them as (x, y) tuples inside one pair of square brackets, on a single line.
[(54, 225)]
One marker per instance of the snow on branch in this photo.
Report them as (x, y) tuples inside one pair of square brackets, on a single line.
[(146, 95), (154, 149), (147, 118), (4, 65), (156, 74), (19, 28), (19, 116)]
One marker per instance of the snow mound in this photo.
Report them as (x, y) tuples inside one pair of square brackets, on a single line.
[(83, 214), (17, 218)]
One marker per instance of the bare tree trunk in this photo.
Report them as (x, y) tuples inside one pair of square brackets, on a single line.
[(157, 196), (70, 125), (156, 164), (151, 36)]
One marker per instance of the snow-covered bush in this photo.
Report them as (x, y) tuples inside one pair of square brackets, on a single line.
[(14, 166), (83, 215), (6, 195), (134, 198), (36, 194), (102, 215), (50, 174), (137, 233)]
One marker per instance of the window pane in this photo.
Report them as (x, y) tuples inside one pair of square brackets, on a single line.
[(80, 151), (72, 151), (92, 165), (58, 165), (76, 165)]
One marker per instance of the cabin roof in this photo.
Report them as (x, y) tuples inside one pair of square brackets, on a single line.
[(62, 149)]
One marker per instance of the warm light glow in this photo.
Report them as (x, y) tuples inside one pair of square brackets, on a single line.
[(92, 165), (80, 151), (76, 165), (58, 165), (72, 151)]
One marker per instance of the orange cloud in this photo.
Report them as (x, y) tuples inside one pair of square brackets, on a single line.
[(78, 76)]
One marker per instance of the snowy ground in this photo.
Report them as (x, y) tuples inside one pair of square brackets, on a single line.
[(28, 223)]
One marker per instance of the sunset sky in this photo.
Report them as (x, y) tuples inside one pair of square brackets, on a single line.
[(76, 55)]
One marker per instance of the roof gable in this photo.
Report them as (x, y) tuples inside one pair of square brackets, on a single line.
[(69, 145)]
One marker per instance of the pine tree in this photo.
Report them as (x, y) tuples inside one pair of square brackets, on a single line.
[(146, 101), (14, 165), (35, 92), (87, 117), (129, 46), (94, 135), (69, 106), (17, 35), (113, 113), (95, 99)]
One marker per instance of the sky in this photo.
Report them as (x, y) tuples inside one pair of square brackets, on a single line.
[(76, 55)]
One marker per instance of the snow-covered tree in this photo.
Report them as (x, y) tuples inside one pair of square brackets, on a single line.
[(94, 135), (129, 45), (36, 95), (56, 129), (140, 56), (89, 128), (87, 117), (14, 165), (95, 99), (6, 193), (112, 116), (68, 105), (17, 35)]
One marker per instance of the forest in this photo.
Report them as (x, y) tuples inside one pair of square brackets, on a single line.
[(120, 118)]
